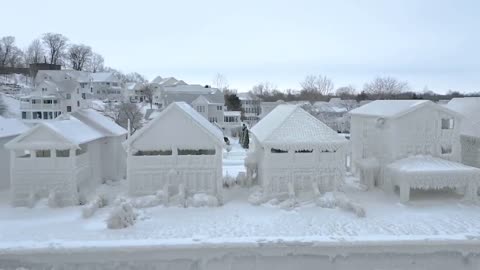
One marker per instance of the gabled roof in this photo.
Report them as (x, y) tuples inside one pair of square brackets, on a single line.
[(470, 109), (103, 77), (11, 127), (394, 108), (211, 130), (289, 126), (247, 96), (65, 133), (100, 122)]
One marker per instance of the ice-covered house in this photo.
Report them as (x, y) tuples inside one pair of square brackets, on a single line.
[(9, 129), (251, 107), (291, 147), (469, 108), (66, 156), (179, 151), (409, 144)]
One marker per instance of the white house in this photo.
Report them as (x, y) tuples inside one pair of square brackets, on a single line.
[(105, 85), (232, 122), (291, 147), (469, 108), (9, 129), (267, 106), (251, 107), (178, 150), (51, 99), (66, 156), (408, 144)]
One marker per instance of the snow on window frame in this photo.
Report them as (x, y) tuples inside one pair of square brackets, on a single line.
[(278, 151), (62, 153), (46, 153), (140, 153), (304, 151), (447, 123)]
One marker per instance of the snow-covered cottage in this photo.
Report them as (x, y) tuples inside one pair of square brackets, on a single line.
[(291, 147), (179, 151), (409, 144), (469, 108), (9, 129), (66, 156)]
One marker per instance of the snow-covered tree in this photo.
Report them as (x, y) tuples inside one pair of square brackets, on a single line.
[(78, 55), (35, 52), (56, 45), (385, 87)]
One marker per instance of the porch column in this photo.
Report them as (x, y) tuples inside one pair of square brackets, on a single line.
[(404, 192)]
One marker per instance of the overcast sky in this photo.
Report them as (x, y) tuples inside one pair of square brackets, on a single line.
[(428, 43)]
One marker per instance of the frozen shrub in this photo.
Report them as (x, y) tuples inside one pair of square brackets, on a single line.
[(228, 181), (54, 199), (146, 201), (241, 179), (256, 198), (180, 198), (122, 216), (202, 200), (288, 204), (98, 202), (336, 199)]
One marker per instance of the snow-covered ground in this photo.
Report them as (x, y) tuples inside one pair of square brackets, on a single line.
[(13, 106), (428, 219)]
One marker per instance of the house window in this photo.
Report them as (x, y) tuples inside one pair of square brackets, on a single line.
[(303, 151), (447, 123), (69, 96), (45, 115), (219, 108), (63, 153), (278, 151), (154, 153), (24, 115), (47, 101), (84, 96), (42, 153), (69, 108), (446, 149), (55, 101), (50, 115), (196, 152), (44, 89), (200, 108), (78, 91), (78, 103), (37, 115), (212, 119)]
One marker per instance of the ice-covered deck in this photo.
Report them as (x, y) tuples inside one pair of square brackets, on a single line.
[(427, 172)]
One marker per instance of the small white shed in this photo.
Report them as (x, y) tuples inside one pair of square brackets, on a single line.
[(469, 108), (66, 156), (178, 148), (291, 147), (9, 129)]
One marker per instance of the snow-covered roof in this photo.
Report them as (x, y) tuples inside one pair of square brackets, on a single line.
[(61, 134), (247, 96), (11, 127), (470, 109), (428, 165), (394, 108), (169, 81), (289, 126), (214, 132), (100, 122), (103, 77)]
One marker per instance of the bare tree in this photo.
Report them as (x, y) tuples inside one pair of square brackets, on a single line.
[(385, 87), (321, 85), (56, 45), (263, 88), (123, 112), (135, 77), (7, 48), (79, 55), (148, 92), (345, 91), (35, 52), (220, 82), (96, 63)]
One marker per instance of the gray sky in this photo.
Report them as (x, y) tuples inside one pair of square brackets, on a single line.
[(429, 43)]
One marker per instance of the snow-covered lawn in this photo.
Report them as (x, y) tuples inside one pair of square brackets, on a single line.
[(13, 106), (427, 216)]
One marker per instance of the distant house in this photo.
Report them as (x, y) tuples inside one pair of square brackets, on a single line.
[(133, 92), (469, 108), (251, 107), (232, 122), (50, 99), (291, 147), (105, 85), (9, 129), (409, 144), (65, 156), (210, 108), (178, 148)]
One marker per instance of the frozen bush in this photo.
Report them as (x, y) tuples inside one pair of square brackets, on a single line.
[(327, 200), (180, 198), (256, 198), (98, 202), (54, 199), (241, 179), (228, 181), (288, 204), (122, 216), (202, 200), (146, 201), (336, 199)]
